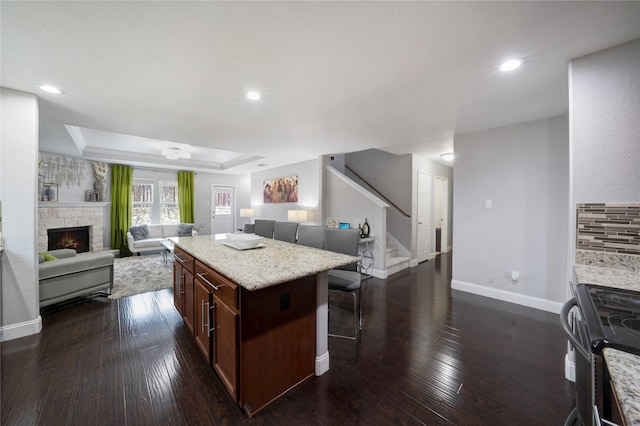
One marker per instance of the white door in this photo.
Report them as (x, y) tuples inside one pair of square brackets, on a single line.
[(223, 201), (444, 211), (424, 216)]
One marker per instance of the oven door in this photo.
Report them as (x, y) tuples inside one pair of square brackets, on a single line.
[(586, 411)]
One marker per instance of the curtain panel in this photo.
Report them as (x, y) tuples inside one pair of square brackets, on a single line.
[(121, 181), (185, 196)]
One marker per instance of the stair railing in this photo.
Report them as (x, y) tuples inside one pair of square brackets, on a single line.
[(380, 194)]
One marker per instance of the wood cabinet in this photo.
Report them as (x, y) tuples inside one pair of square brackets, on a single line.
[(260, 343), (183, 290), (217, 335)]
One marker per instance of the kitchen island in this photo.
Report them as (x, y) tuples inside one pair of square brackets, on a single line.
[(606, 271), (259, 316)]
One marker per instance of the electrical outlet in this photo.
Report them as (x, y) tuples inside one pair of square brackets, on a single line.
[(515, 276)]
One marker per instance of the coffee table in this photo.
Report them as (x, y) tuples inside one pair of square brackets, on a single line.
[(168, 248)]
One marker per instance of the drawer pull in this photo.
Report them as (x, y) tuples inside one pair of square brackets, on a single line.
[(201, 276), (178, 258)]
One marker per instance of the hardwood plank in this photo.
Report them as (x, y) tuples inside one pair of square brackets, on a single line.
[(429, 355)]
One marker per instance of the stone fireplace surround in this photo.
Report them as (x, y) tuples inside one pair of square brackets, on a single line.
[(65, 215)]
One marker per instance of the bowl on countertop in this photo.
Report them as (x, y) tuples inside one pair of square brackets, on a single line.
[(244, 241)]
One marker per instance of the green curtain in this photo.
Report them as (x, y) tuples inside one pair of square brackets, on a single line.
[(121, 181), (185, 196)]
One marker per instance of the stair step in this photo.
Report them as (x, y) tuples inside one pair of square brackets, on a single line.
[(392, 251), (396, 264)]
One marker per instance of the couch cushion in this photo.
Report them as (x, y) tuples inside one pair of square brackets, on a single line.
[(62, 253), (155, 231), (149, 242), (78, 263), (169, 229), (139, 232), (185, 230), (40, 258)]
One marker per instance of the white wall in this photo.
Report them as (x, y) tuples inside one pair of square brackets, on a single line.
[(523, 170), (349, 202), (389, 174), (18, 192), (309, 189), (202, 207), (423, 164), (604, 111)]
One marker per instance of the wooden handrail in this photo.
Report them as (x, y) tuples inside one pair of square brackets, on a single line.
[(380, 194)]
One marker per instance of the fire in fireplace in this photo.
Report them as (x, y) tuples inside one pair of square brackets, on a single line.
[(69, 238)]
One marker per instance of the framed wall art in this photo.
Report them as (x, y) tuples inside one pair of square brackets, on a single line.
[(281, 190)]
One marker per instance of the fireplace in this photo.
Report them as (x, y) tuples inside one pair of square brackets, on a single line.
[(76, 238)]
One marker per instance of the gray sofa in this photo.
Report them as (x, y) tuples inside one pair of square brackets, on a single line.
[(74, 275)]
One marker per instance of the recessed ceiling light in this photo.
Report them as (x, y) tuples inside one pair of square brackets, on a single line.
[(51, 89), (447, 156), (254, 96), (510, 65)]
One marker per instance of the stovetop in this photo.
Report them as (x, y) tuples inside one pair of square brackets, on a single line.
[(612, 316)]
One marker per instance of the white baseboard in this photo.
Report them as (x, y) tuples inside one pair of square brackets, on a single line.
[(322, 363), (378, 273), (22, 329), (507, 296), (413, 263)]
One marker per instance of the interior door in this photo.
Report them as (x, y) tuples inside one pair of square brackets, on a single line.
[(223, 200), (424, 216)]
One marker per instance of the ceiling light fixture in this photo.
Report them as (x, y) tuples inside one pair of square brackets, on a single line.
[(447, 156), (254, 96), (510, 65), (51, 89), (175, 152)]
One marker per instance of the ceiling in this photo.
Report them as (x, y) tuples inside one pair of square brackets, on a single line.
[(335, 77)]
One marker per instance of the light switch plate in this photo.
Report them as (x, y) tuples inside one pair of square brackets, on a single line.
[(488, 203)]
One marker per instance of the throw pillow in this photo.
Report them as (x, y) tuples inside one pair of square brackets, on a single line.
[(184, 230), (140, 232), (47, 257)]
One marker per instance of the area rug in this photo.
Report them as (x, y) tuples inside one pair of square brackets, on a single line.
[(139, 274)]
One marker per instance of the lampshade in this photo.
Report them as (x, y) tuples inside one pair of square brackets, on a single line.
[(297, 215), (246, 212)]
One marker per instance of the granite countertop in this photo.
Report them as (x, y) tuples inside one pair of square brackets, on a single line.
[(608, 277), (618, 271), (259, 268), (624, 369)]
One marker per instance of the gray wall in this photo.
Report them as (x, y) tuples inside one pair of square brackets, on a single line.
[(309, 189), (604, 107), (389, 174), (523, 170), (18, 192)]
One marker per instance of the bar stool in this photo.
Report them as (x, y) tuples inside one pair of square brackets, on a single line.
[(346, 279)]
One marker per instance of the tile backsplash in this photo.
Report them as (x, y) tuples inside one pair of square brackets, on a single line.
[(608, 227)]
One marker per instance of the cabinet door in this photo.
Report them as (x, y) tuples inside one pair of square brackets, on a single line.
[(202, 328), (225, 345), (188, 300), (178, 287)]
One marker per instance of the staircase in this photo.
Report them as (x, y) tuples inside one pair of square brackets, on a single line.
[(395, 263)]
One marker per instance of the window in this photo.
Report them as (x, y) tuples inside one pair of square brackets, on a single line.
[(169, 209), (142, 201)]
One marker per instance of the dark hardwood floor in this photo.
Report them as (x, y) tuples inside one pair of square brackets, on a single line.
[(429, 355)]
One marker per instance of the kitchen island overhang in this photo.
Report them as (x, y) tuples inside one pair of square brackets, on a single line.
[(282, 278)]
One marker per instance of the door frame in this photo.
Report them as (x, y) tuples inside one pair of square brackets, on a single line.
[(430, 233), (212, 206), (444, 203)]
